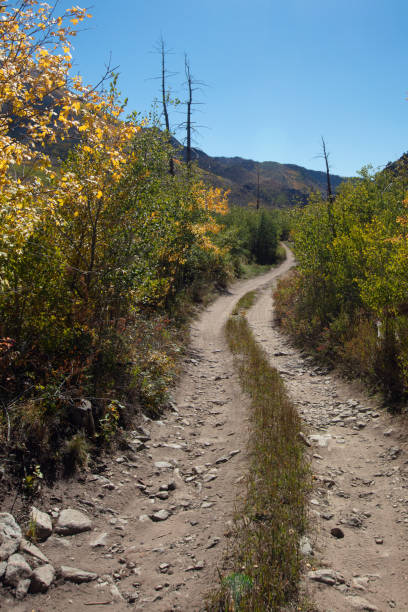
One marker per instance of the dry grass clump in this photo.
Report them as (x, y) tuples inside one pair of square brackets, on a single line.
[(265, 561)]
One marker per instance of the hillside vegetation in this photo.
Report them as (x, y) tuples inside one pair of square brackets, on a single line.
[(100, 255), (348, 298)]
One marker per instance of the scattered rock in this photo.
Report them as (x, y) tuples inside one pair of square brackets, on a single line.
[(222, 459), (29, 549), (354, 521), (72, 521), (42, 578), (42, 524), (196, 567), (358, 603), (10, 535), (326, 576), (394, 452), (337, 533), (17, 570), (76, 575), (22, 588), (360, 583), (161, 515), (163, 465), (99, 541), (305, 546)]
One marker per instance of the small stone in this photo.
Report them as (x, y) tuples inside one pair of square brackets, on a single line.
[(72, 521), (162, 495), (360, 583), (42, 578), (207, 505), (30, 549), (354, 521), (388, 432), (42, 524), (163, 465), (337, 533), (222, 459), (17, 569), (99, 541), (327, 516), (326, 576), (143, 518), (234, 452), (305, 546), (161, 515), (76, 575), (379, 540), (358, 603), (22, 588)]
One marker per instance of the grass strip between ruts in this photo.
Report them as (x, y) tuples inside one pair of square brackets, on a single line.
[(264, 560)]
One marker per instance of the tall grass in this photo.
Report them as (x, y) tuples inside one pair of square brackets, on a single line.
[(265, 561)]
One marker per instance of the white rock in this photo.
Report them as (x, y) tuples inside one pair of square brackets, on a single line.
[(327, 576), (99, 541), (10, 535), (29, 549), (72, 521), (17, 569), (358, 603), (73, 574), (161, 515), (42, 524), (42, 578), (22, 588), (161, 465)]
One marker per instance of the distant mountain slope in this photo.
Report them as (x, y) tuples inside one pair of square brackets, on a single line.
[(281, 185)]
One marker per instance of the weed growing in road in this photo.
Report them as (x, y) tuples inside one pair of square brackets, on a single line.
[(272, 516)]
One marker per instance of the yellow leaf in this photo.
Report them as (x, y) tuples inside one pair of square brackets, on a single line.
[(99, 194)]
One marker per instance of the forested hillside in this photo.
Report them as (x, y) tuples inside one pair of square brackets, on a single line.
[(275, 185)]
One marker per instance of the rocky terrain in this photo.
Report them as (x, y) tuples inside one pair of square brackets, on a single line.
[(148, 529)]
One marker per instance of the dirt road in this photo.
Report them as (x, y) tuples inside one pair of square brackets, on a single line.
[(160, 513)]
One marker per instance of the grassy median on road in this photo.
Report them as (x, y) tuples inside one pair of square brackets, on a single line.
[(264, 561)]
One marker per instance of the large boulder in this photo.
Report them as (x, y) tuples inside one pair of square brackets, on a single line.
[(35, 553), (10, 535), (72, 521), (42, 525), (73, 574), (42, 578), (17, 570)]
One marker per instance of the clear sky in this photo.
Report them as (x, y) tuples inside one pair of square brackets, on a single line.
[(279, 73)]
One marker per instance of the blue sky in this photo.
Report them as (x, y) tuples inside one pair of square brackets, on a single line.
[(279, 73)]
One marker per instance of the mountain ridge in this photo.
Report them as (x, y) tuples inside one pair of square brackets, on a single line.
[(280, 185)]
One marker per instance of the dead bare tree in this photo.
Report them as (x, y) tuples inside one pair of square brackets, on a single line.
[(190, 126), (330, 195), (257, 186), (165, 96)]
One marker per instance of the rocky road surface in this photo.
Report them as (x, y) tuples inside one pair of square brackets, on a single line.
[(153, 522), (358, 553)]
